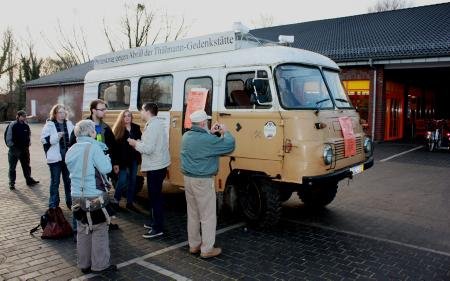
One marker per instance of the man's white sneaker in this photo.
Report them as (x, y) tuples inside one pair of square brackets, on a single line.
[(152, 234)]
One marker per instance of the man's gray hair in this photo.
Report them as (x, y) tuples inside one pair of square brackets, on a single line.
[(84, 128)]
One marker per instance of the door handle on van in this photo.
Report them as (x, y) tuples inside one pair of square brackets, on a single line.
[(174, 122), (224, 114)]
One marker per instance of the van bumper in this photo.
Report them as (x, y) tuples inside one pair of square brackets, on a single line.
[(336, 176)]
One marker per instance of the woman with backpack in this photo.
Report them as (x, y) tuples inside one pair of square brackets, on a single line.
[(85, 159), (55, 139)]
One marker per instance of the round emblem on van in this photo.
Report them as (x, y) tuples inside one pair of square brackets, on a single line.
[(270, 130)]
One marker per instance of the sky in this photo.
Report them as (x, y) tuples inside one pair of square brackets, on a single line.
[(39, 19)]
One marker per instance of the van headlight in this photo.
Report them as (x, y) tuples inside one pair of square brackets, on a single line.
[(327, 154), (368, 146)]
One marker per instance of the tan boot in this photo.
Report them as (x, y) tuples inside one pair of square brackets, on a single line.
[(214, 252), (194, 250)]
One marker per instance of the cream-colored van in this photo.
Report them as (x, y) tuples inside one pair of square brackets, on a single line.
[(286, 108)]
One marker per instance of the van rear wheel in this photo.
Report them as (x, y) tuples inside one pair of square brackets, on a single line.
[(318, 196), (260, 202)]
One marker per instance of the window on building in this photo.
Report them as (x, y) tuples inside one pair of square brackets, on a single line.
[(157, 89), (238, 95), (358, 92), (116, 94)]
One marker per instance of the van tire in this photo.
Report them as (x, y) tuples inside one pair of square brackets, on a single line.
[(318, 196), (260, 202)]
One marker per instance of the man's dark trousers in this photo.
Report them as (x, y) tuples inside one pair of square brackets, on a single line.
[(154, 183), (21, 154)]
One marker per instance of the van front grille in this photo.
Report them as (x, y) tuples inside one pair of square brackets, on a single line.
[(339, 148)]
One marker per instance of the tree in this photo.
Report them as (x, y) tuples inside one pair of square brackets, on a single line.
[(52, 65), (389, 5), (5, 55), (264, 20), (31, 65), (138, 28), (71, 49)]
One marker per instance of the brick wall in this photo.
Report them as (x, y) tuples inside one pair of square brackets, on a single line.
[(46, 97), (366, 73)]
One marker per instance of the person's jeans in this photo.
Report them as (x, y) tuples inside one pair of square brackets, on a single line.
[(56, 169), (127, 177), (154, 183), (16, 154)]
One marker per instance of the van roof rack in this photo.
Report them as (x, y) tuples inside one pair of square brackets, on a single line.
[(213, 43)]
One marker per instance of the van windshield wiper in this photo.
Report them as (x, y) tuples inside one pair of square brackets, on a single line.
[(318, 104), (341, 100)]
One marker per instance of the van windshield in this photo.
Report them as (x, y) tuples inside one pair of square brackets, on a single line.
[(302, 87), (337, 90)]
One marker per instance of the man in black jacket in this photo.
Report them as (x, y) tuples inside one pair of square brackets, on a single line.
[(17, 138), (104, 133)]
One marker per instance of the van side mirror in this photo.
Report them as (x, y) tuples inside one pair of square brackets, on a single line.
[(261, 74)]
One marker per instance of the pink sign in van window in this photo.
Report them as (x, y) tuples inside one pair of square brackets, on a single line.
[(196, 101)]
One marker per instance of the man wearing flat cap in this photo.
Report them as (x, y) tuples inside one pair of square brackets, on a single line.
[(200, 152), (17, 138)]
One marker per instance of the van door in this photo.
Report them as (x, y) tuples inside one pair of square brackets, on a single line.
[(184, 82), (258, 129)]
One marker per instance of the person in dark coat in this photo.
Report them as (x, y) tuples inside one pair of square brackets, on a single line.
[(17, 138), (127, 157)]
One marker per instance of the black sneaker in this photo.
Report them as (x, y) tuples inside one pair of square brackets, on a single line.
[(12, 186), (113, 226), (131, 207), (112, 267), (32, 182), (148, 226), (86, 270), (152, 234)]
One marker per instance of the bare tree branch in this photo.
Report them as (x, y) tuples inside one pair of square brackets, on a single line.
[(389, 5), (70, 49), (108, 37), (7, 46), (138, 28), (264, 20)]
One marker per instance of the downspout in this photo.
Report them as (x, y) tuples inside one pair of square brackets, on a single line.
[(374, 97)]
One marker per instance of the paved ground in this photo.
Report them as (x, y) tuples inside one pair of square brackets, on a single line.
[(390, 223)]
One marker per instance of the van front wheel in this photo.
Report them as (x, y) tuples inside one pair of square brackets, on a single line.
[(318, 196), (260, 202)]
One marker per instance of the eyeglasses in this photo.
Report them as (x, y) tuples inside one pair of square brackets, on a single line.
[(61, 112), (101, 109)]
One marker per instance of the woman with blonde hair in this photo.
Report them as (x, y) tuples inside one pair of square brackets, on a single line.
[(55, 139), (127, 157)]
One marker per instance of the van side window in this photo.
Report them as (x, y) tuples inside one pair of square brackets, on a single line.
[(116, 94), (200, 82), (237, 94), (157, 89)]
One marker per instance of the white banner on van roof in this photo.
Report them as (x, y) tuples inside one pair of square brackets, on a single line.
[(219, 42)]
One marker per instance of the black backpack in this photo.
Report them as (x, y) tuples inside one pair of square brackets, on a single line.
[(6, 131), (42, 224)]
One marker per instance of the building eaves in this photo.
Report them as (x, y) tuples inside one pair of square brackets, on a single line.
[(73, 75)]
